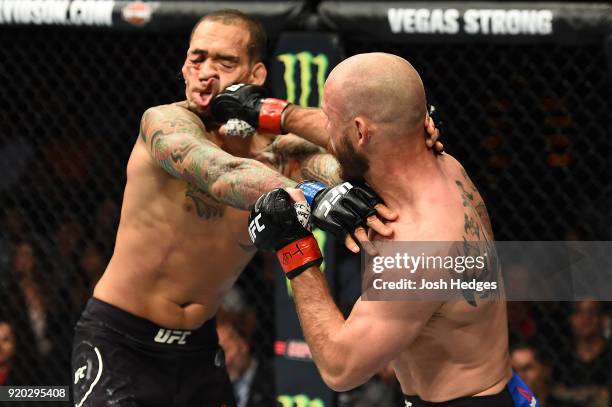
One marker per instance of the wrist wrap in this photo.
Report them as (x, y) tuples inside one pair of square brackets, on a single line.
[(270, 114), (298, 256)]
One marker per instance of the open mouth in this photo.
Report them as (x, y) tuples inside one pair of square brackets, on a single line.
[(203, 98)]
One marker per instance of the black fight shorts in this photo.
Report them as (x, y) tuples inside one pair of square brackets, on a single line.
[(121, 360)]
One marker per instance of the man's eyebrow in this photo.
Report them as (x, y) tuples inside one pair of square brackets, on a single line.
[(198, 51)]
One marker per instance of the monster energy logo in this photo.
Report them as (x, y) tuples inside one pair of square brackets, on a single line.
[(300, 400), (306, 62)]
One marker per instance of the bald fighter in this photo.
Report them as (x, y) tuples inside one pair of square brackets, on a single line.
[(445, 353), (147, 337)]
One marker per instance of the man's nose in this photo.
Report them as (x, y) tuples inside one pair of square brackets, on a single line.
[(207, 70)]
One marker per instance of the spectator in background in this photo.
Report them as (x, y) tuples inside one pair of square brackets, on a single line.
[(34, 302), (30, 281), (13, 226), (584, 369), (7, 353), (536, 370), (251, 378)]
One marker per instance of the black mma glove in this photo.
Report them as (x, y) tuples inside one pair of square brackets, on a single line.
[(340, 209), (277, 223), (249, 103)]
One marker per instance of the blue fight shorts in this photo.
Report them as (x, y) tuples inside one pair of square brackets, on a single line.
[(515, 394)]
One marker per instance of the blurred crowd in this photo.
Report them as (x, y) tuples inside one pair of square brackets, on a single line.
[(44, 284), (562, 350)]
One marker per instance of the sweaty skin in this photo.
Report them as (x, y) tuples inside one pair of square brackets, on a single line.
[(440, 350), (181, 242)]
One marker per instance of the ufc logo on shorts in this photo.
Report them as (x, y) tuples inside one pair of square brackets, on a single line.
[(79, 374), (169, 336), (255, 226), (336, 193)]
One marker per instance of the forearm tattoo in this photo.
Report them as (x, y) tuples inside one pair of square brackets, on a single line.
[(178, 143)]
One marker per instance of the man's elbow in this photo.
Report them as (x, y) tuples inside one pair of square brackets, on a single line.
[(342, 381)]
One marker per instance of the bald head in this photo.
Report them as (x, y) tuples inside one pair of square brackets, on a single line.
[(383, 87)]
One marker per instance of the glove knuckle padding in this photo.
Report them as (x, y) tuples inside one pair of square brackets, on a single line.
[(360, 207), (344, 208), (238, 102), (346, 217), (368, 195), (280, 222)]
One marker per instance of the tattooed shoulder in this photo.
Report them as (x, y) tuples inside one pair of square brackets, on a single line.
[(477, 238), (166, 119)]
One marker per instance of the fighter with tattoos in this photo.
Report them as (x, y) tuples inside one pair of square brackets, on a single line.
[(445, 352), (147, 336)]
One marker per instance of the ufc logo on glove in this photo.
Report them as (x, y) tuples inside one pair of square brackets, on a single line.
[(335, 193), (255, 226)]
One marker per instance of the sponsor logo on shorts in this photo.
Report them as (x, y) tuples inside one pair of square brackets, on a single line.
[(80, 374), (170, 336), (527, 395)]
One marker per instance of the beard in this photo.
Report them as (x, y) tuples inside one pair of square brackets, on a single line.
[(353, 165)]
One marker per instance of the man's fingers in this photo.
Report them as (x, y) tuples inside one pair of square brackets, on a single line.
[(350, 244), (296, 194), (362, 237), (384, 212), (377, 226), (222, 131), (439, 147), (431, 127)]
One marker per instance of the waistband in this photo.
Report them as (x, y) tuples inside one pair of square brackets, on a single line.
[(501, 399), (103, 315), (515, 394)]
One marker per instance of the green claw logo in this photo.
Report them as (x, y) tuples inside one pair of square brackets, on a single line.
[(306, 62)]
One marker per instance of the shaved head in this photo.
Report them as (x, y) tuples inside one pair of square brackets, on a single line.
[(382, 87)]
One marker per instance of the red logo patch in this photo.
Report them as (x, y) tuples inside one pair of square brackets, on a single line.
[(137, 13)]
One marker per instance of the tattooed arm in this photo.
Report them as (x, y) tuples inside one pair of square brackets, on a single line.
[(177, 141), (300, 160)]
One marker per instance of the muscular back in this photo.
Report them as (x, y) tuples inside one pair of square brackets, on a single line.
[(462, 349)]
